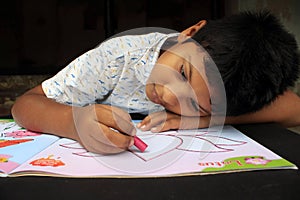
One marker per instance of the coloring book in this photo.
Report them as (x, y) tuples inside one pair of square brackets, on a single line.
[(171, 153)]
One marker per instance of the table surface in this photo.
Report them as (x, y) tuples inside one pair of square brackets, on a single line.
[(266, 184)]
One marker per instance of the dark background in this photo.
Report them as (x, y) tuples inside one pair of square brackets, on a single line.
[(41, 37)]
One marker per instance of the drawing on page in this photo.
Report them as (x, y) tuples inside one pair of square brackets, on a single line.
[(160, 144)]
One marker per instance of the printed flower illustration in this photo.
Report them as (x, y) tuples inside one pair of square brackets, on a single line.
[(257, 161)]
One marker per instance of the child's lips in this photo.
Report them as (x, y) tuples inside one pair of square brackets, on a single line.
[(155, 96)]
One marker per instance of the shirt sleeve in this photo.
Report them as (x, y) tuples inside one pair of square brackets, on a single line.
[(85, 80)]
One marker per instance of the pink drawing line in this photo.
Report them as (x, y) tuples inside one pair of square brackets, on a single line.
[(237, 141), (202, 151), (67, 145), (86, 154), (161, 154), (197, 136)]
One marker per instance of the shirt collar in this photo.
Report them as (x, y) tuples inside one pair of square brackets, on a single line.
[(145, 65)]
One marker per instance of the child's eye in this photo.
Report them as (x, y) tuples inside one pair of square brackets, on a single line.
[(195, 105), (182, 72)]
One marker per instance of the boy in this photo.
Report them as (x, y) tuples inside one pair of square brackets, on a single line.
[(90, 99)]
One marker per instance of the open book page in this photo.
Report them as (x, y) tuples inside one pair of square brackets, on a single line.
[(17, 145), (64, 158), (169, 153)]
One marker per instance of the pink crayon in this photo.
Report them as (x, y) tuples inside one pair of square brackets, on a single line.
[(139, 144)]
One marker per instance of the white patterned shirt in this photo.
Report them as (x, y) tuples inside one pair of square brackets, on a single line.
[(114, 73)]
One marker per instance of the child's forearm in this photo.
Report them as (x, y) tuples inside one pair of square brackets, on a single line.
[(285, 110), (36, 112)]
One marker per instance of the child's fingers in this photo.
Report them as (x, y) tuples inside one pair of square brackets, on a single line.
[(112, 140), (157, 123), (121, 113), (159, 128), (169, 124), (124, 126), (116, 118), (152, 121), (142, 125)]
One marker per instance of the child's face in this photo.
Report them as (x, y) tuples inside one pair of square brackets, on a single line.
[(178, 81)]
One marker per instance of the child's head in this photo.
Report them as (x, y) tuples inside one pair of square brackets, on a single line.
[(257, 58), (178, 81)]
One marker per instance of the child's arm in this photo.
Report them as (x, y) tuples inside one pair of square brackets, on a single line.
[(285, 110), (36, 112)]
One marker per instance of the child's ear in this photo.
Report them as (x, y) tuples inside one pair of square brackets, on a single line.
[(189, 32)]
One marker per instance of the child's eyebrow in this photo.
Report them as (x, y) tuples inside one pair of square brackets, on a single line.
[(195, 105)]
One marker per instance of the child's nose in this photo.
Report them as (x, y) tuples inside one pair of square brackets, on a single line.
[(173, 94)]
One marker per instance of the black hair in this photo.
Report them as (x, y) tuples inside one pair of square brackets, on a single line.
[(257, 58)]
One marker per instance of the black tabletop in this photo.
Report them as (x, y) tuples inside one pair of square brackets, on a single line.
[(266, 184)]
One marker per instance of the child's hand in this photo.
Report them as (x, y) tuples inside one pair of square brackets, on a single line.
[(163, 121), (95, 123)]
